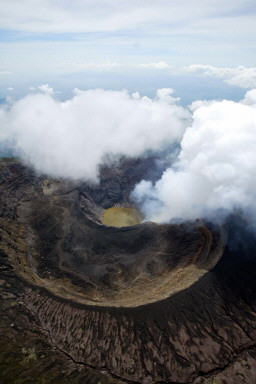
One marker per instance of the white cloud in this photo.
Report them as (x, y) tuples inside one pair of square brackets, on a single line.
[(159, 65), (240, 76), (46, 89), (146, 33), (112, 66), (250, 98), (165, 94), (135, 95), (200, 103), (71, 138), (9, 88), (216, 168), (106, 15), (5, 73), (90, 66)]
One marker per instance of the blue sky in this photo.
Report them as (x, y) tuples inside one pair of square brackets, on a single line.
[(138, 45)]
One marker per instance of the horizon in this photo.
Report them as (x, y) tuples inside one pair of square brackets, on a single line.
[(203, 51)]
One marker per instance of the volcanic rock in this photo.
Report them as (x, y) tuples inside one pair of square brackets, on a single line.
[(82, 302)]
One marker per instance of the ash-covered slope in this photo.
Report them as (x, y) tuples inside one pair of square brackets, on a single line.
[(85, 303)]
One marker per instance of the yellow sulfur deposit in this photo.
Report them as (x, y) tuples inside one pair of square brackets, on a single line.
[(121, 217)]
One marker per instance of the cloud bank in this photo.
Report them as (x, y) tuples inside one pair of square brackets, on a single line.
[(240, 76), (215, 172), (72, 138)]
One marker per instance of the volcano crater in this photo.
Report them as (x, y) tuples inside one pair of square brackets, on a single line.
[(71, 253), (146, 303)]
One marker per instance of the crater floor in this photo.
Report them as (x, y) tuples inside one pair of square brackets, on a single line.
[(121, 217)]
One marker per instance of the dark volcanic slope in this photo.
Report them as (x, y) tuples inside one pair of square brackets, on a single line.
[(85, 303)]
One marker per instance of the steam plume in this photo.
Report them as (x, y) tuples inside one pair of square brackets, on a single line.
[(72, 138), (215, 172)]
